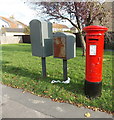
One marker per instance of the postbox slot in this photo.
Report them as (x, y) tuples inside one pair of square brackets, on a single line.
[(93, 39)]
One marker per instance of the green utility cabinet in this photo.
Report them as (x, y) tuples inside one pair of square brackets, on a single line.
[(64, 45), (41, 38)]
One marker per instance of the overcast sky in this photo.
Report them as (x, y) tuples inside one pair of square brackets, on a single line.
[(21, 11)]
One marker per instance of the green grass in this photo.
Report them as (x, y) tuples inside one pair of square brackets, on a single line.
[(22, 70)]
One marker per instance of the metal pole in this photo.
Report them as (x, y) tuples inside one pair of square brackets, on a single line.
[(65, 69), (43, 66)]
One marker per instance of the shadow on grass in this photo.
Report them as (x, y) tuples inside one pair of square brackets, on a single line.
[(19, 71), (73, 87), (22, 72), (3, 62)]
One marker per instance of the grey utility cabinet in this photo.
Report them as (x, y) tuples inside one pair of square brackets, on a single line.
[(64, 45), (41, 38)]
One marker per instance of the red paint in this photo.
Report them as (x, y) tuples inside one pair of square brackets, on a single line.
[(95, 39)]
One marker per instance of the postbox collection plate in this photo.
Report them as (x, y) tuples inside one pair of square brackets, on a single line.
[(93, 49)]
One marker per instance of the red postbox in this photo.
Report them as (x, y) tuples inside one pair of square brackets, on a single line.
[(94, 58)]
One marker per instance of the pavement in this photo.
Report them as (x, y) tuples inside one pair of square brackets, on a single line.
[(16, 104)]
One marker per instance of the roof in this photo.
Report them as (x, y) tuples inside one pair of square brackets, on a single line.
[(60, 26), (12, 22), (9, 22), (21, 23)]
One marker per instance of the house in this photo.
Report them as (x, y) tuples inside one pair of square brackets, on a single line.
[(11, 27), (60, 27), (11, 30)]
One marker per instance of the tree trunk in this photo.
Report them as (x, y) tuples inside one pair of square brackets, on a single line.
[(83, 44)]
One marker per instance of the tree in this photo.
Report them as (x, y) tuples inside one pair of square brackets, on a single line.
[(79, 14)]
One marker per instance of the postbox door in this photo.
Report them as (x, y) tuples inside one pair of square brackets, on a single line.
[(71, 47), (47, 39), (94, 59), (48, 49), (59, 47), (36, 38)]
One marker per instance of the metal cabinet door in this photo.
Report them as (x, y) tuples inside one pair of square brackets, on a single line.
[(36, 38)]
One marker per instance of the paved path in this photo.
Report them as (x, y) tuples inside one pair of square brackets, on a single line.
[(16, 104)]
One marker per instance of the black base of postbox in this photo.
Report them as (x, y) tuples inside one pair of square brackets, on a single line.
[(93, 89)]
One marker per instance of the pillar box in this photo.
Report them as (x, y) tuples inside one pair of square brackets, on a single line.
[(94, 58)]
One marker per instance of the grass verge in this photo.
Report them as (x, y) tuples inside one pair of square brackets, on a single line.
[(22, 70)]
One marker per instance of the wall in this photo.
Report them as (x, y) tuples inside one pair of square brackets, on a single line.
[(60, 29), (13, 33), (10, 40)]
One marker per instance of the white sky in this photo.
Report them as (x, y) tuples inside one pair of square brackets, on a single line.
[(21, 11)]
